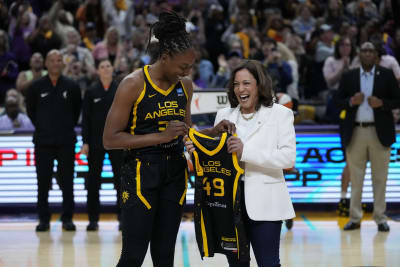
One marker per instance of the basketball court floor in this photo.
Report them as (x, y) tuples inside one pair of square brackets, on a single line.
[(315, 240)]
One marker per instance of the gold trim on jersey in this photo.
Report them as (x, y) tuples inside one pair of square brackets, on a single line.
[(237, 242), (138, 192), (199, 169), (186, 185), (193, 132), (203, 234), (158, 89), (239, 170), (184, 90), (134, 112)]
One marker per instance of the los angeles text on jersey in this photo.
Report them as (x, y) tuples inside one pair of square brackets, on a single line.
[(167, 108), (215, 166)]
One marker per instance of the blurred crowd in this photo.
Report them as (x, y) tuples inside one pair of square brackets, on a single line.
[(306, 45)]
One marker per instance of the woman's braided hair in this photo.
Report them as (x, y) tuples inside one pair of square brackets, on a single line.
[(171, 33)]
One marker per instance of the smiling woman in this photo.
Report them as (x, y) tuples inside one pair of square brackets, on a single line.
[(265, 145), (149, 116)]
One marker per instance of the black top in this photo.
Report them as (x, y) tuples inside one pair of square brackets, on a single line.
[(54, 110), (96, 103), (386, 88), (153, 110)]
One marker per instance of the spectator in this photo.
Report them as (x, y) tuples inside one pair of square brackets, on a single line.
[(120, 16), (8, 66), (43, 39), (62, 21), (279, 70), (22, 25), (76, 71), (90, 38), (54, 103), (334, 15), (91, 11), (4, 18), (289, 57), (340, 62), (110, 47), (304, 23), (239, 30), (226, 65), (81, 54), (333, 69), (325, 46), (36, 71), (14, 118), (215, 26)]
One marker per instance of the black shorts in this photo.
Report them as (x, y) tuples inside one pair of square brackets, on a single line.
[(146, 178)]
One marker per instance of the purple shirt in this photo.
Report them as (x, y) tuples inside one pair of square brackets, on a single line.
[(24, 121)]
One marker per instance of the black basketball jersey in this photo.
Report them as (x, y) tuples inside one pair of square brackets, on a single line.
[(154, 108), (218, 221)]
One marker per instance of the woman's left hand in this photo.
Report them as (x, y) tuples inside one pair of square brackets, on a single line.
[(235, 145)]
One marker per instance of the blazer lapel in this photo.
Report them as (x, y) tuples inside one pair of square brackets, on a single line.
[(376, 79), (358, 80)]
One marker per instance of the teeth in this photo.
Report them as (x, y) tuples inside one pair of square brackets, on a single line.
[(243, 97)]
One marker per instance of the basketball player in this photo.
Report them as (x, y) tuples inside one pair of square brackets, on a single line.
[(149, 116)]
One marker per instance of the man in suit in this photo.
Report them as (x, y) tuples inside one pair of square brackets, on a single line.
[(368, 94)]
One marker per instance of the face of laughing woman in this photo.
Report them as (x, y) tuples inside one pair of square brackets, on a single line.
[(246, 91)]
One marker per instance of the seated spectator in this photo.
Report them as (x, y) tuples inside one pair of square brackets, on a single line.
[(304, 22), (325, 46), (8, 66), (90, 38), (43, 39), (62, 21), (110, 47), (279, 70), (91, 11), (289, 57), (14, 118), (22, 24), (226, 65), (36, 71), (120, 14), (340, 62), (81, 54)]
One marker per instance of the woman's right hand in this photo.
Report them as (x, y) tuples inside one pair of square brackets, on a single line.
[(188, 145), (224, 126)]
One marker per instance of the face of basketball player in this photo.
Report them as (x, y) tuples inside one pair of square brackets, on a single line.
[(246, 91), (179, 65), (105, 69)]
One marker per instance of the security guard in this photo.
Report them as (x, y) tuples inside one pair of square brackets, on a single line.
[(97, 101), (53, 104), (218, 220)]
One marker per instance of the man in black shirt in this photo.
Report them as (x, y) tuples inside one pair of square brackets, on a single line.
[(53, 104), (96, 103)]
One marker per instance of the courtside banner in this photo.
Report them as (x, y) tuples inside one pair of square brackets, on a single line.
[(316, 178), (208, 101)]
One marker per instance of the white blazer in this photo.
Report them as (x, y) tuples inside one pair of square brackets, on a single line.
[(269, 148)]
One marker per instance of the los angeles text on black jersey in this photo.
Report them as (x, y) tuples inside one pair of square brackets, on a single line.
[(155, 108), (167, 108)]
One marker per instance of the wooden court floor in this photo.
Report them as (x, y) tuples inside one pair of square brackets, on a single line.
[(315, 240)]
